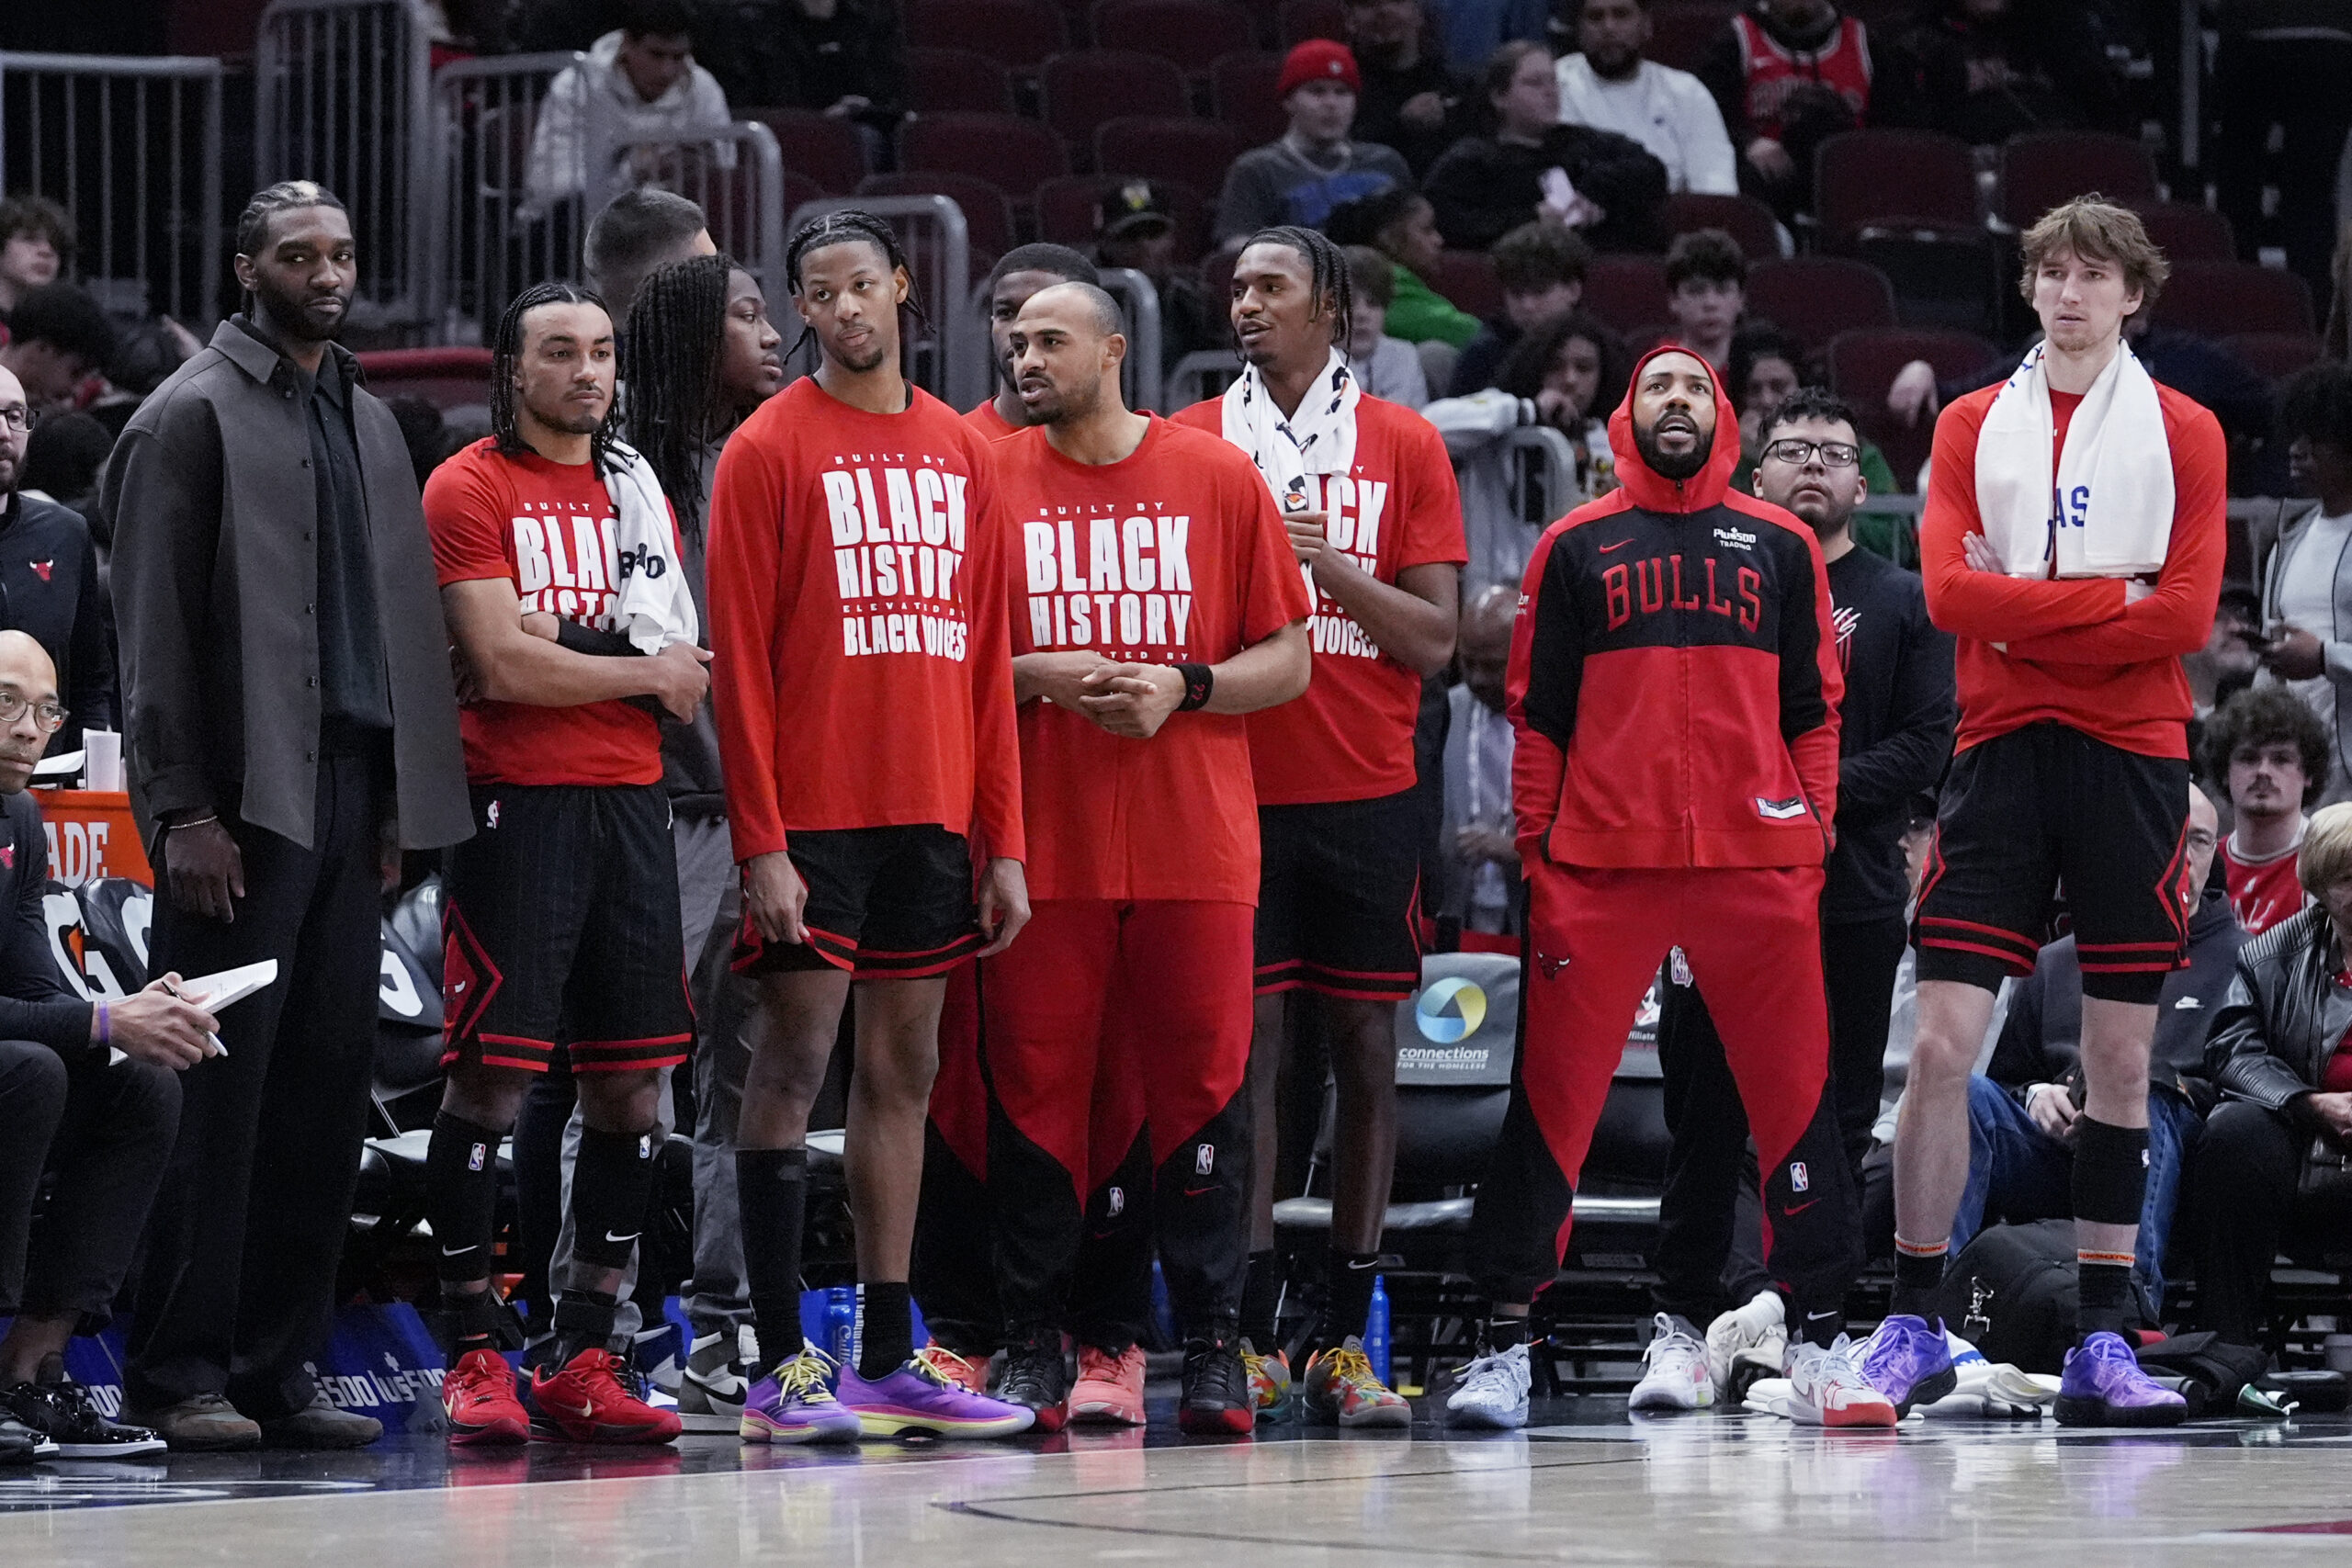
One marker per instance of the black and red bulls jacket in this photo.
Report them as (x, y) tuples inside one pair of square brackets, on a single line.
[(1674, 678)]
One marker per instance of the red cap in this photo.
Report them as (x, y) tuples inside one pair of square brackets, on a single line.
[(1318, 60)]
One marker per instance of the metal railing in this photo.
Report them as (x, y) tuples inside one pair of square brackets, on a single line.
[(1139, 378), (132, 148), (735, 173), (1203, 374), (951, 360), (1542, 468), (342, 95), (488, 243)]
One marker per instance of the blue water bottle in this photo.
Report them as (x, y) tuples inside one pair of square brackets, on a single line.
[(1376, 1330), (841, 1323)]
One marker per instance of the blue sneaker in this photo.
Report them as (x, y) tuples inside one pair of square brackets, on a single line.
[(1909, 1361), (2105, 1387)]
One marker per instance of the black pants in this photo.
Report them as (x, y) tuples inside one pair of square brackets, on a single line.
[(105, 1132), (2241, 1199), (1710, 1249), (238, 1287)]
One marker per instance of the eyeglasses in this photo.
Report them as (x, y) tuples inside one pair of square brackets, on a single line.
[(18, 418), (51, 716), (1796, 453)]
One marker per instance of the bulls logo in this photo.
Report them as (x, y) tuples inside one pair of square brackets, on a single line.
[(41, 568)]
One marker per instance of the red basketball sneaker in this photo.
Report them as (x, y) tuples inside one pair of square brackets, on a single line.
[(479, 1395), (588, 1402)]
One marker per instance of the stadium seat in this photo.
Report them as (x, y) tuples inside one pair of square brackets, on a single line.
[(1019, 33), (1194, 153), (960, 80), (1681, 30), (1902, 179), (1627, 292), (1241, 88), (1815, 298), (1193, 33), (1067, 209), (989, 221), (1302, 20), (1467, 278), (2219, 298), (824, 149), (1744, 217), (2274, 356), (1008, 152), (1087, 87), (2186, 231), (446, 378), (2041, 168), (1862, 366)]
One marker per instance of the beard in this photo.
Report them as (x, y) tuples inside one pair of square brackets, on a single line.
[(1061, 405), (1668, 465), (289, 313), (570, 418), (860, 361)]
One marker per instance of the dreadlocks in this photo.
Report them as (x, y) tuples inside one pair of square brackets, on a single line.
[(506, 348), (1329, 283), (844, 226), (670, 361)]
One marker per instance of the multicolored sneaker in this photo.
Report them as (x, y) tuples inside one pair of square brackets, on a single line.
[(1827, 1388), (1676, 1375), (1268, 1379), (1493, 1390), (1341, 1387), (1109, 1391), (1035, 1378), (968, 1374), (1908, 1359), (589, 1400), (480, 1398), (1216, 1401), (2103, 1386), (923, 1398), (794, 1404)]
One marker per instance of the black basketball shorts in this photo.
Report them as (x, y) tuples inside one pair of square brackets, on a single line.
[(884, 903), (1338, 898)]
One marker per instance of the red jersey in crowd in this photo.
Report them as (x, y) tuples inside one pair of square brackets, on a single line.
[(1774, 72), (2074, 653), (1351, 736), (547, 527), (862, 677), (1175, 555), (2262, 892)]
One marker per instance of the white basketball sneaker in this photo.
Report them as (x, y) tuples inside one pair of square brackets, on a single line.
[(1746, 1343), (1828, 1388), (1678, 1378), (1493, 1391)]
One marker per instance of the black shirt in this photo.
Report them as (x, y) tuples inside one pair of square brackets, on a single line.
[(1379, 106), (1895, 730), (34, 1002), (352, 684), (1484, 187), (49, 590)]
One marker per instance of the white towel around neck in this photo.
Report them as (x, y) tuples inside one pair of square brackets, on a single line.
[(1320, 438), (656, 606), (2108, 512)]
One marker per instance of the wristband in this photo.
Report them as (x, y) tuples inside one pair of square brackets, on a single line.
[(106, 1026), (1200, 684), (197, 822)]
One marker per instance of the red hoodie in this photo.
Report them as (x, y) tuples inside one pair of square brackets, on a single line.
[(1674, 677)]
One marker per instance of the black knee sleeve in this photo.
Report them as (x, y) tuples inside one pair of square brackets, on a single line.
[(462, 1194), (611, 1185), (2110, 1181)]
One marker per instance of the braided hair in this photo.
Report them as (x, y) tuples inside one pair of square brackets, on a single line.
[(670, 359), (252, 223), (846, 225), (507, 349), (1326, 271)]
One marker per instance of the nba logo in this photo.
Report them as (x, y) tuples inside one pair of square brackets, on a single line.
[(1799, 1178), (1203, 1159), (645, 1146), (476, 1155), (491, 815), (1679, 968), (1118, 1204)]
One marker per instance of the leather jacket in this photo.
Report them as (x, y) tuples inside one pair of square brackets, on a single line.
[(2284, 1015)]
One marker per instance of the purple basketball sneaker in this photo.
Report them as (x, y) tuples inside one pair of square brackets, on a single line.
[(1909, 1360), (793, 1404), (919, 1397), (2105, 1387)]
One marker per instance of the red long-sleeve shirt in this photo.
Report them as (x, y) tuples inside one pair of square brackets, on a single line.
[(863, 668), (2076, 653)]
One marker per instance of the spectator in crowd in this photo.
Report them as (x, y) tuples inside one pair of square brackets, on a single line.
[(1542, 268), (1476, 874), (2270, 1165), (844, 57), (1534, 168), (1135, 226), (1706, 287), (1314, 167), (1562, 374), (88, 1093), (423, 432), (289, 723), (2307, 584), (636, 232), (1474, 29), (49, 581), (36, 247), (2279, 73), (2023, 1106), (1401, 225), (57, 338), (1384, 366), (1787, 76), (1986, 70), (1766, 365), (2270, 752), (2228, 661), (63, 454), (1607, 85), (639, 89), (1410, 99)]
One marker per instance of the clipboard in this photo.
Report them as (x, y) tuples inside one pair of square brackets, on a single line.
[(219, 989)]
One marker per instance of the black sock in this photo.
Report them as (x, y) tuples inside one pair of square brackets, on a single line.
[(2105, 1303), (770, 1199), (1261, 1294), (461, 1199), (1918, 1274), (473, 1319), (583, 1319), (888, 1340), (1820, 1328), (612, 1183), (1348, 1277), (1501, 1333)]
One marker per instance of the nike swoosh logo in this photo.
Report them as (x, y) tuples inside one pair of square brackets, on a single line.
[(455, 1251), (1618, 545), (1800, 1208), (1198, 1191), (632, 1237), (559, 1408)]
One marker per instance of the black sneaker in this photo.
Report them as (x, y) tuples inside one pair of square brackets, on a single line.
[(1036, 1377), (1216, 1401), (56, 1406), (20, 1444)]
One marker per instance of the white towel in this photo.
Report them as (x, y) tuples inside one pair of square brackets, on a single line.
[(1320, 438), (2109, 513), (656, 606)]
